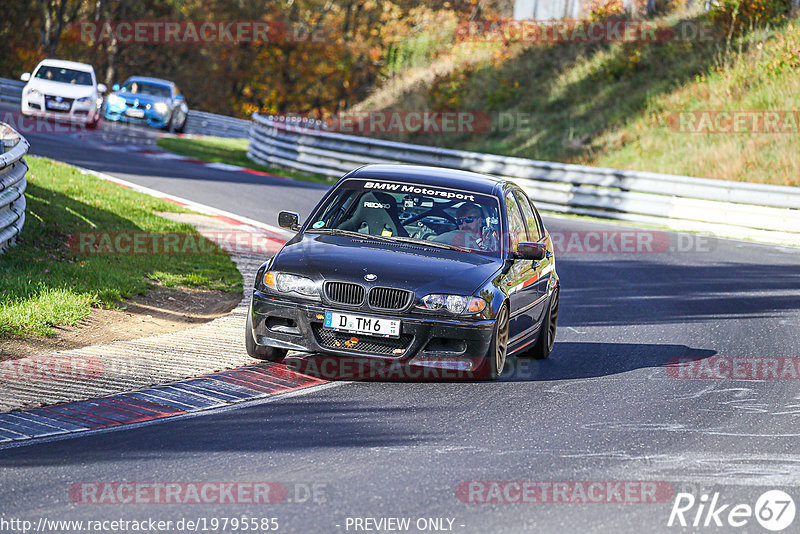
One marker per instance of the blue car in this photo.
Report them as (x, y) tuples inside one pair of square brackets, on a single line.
[(149, 101)]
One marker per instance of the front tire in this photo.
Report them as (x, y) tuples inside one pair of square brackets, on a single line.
[(498, 349), (182, 127), (547, 335), (170, 126), (260, 352)]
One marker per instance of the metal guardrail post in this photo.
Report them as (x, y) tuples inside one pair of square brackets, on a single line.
[(11, 90), (12, 185), (736, 209)]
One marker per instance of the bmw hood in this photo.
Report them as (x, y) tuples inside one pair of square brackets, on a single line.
[(409, 266), (142, 98)]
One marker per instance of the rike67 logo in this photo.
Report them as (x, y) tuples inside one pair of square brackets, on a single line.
[(774, 510)]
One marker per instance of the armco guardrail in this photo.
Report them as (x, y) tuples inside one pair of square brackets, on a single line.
[(12, 185), (11, 90), (198, 122), (203, 123), (735, 209)]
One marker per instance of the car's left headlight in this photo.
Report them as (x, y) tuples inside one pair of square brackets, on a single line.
[(291, 283), (84, 100), (455, 304), (161, 107)]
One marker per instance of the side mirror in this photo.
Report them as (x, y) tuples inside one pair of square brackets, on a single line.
[(530, 251), (179, 98), (101, 88), (115, 87), (26, 77), (289, 219)]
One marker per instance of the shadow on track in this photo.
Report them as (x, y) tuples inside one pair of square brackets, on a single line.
[(571, 360), (651, 290), (311, 423)]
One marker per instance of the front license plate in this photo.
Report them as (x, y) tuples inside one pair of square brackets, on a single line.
[(60, 106), (137, 113), (358, 324)]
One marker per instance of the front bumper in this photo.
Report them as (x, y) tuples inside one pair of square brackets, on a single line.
[(429, 342), (79, 113), (151, 116)]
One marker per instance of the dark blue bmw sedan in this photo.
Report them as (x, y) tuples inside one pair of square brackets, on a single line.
[(419, 268)]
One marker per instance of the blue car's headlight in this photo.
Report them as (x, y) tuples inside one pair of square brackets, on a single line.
[(114, 100), (291, 283), (455, 304), (161, 107)]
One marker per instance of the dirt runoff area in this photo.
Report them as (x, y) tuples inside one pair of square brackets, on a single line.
[(162, 310)]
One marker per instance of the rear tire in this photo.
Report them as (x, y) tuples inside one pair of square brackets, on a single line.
[(547, 335), (498, 349), (260, 352)]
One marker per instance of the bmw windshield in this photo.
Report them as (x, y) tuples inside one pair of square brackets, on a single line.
[(144, 88), (408, 212)]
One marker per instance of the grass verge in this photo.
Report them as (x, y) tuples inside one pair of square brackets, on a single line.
[(616, 104), (46, 283), (232, 151)]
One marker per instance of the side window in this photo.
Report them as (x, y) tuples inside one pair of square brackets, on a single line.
[(531, 221), (516, 225), (542, 231)]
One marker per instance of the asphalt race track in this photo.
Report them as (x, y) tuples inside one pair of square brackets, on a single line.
[(605, 408)]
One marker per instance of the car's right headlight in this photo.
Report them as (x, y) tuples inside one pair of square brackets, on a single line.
[(161, 107), (291, 283), (453, 303), (33, 93)]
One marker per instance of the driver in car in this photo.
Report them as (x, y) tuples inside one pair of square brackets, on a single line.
[(471, 233)]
